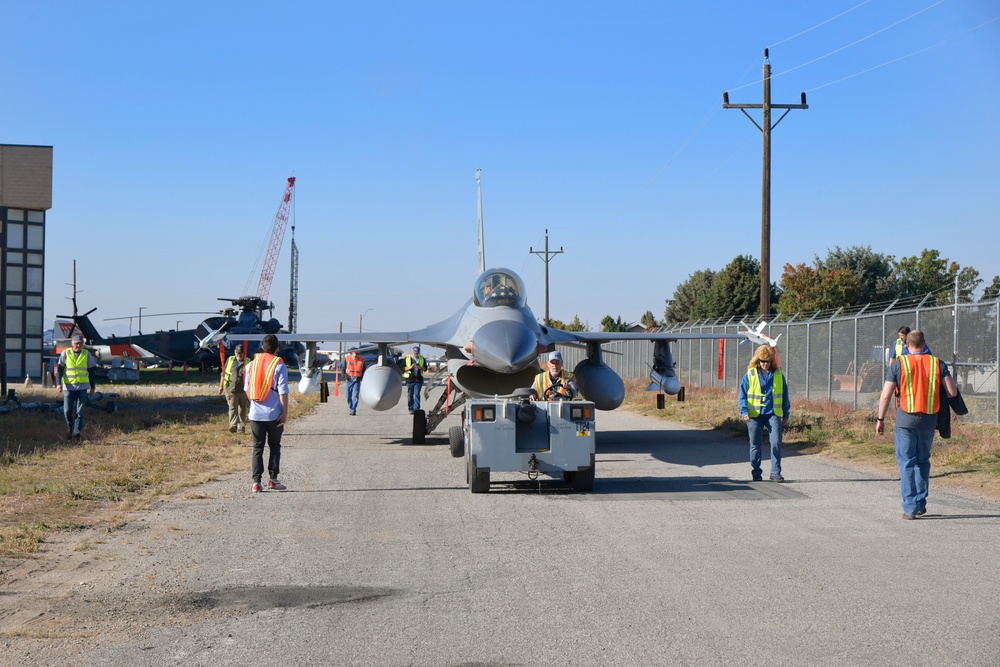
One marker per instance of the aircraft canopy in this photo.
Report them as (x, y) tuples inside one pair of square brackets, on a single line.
[(499, 287)]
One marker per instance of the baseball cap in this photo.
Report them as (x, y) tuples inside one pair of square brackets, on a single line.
[(555, 356), (77, 338), (416, 348)]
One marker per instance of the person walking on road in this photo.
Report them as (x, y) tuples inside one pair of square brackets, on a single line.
[(266, 383), (355, 369), (74, 377), (231, 383), (414, 366), (916, 379), (764, 403)]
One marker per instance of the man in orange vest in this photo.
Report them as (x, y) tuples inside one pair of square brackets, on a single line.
[(266, 383), (916, 378), (355, 369)]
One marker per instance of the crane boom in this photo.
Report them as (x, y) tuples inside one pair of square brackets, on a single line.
[(274, 245)]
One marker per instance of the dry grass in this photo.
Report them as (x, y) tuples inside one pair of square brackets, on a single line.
[(970, 459), (161, 440)]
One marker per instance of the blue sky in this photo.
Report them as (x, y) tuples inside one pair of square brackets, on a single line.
[(176, 124)]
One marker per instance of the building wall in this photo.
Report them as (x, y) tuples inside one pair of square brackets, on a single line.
[(25, 196)]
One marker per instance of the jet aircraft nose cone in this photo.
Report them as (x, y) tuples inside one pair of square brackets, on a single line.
[(504, 346)]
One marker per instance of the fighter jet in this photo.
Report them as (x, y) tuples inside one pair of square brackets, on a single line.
[(492, 345)]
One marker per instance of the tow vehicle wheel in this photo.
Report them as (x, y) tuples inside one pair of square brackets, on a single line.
[(479, 480), (456, 441), (582, 480), (419, 427)]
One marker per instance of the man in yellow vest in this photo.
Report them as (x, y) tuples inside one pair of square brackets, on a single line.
[(266, 383), (555, 383), (231, 383), (916, 378), (74, 376), (763, 403), (414, 366)]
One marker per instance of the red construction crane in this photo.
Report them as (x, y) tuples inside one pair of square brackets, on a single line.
[(274, 246)]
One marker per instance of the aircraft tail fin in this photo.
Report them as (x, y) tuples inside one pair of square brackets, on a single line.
[(87, 328), (482, 244)]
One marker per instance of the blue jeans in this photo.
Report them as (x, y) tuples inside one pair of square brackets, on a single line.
[(73, 402), (413, 395), (755, 427), (913, 454), (353, 391)]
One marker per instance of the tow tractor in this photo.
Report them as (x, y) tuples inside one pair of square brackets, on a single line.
[(517, 434)]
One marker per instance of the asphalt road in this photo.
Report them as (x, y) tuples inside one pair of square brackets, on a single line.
[(379, 555)]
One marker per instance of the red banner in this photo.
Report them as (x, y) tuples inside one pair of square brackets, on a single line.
[(722, 354)]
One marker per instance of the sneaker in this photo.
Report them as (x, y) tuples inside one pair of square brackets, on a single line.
[(353, 413), (77, 437), (777, 478), (275, 485), (909, 516), (758, 478), (243, 429), (232, 429), (255, 488), (922, 511)]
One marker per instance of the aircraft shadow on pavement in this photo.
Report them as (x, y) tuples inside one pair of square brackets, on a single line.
[(683, 447)]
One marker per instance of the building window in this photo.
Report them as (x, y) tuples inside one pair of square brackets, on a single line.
[(13, 321), (36, 216), (15, 235), (34, 279), (36, 237), (33, 322), (15, 279), (14, 368)]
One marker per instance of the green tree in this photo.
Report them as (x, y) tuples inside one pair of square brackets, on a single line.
[(610, 324), (873, 272), (992, 292), (916, 276), (689, 298), (810, 288), (736, 289), (647, 319)]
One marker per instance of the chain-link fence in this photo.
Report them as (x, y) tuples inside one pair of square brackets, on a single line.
[(840, 357)]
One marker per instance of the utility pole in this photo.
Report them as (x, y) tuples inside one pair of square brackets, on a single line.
[(765, 216), (546, 258)]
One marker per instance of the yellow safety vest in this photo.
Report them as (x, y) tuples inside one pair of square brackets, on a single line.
[(77, 371), (898, 350), (411, 362), (755, 395), (543, 381), (227, 375)]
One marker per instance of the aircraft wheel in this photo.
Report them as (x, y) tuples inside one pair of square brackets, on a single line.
[(583, 480), (479, 480), (456, 441), (419, 427)]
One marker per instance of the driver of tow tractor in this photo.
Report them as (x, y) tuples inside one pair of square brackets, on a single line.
[(555, 384)]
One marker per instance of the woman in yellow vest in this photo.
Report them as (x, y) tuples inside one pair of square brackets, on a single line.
[(916, 378), (764, 403)]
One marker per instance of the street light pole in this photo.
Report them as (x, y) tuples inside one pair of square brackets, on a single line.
[(141, 308)]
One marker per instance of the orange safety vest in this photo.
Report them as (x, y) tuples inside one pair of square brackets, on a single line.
[(543, 381), (355, 365), (919, 384), (260, 372)]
